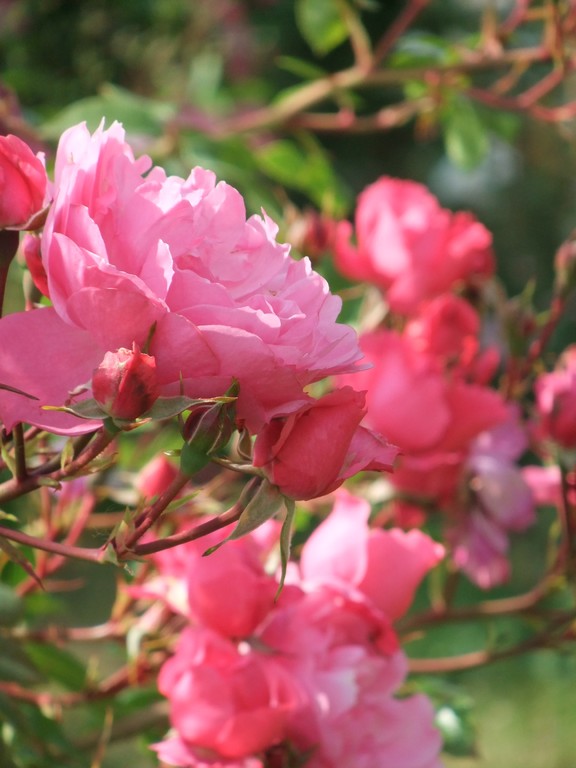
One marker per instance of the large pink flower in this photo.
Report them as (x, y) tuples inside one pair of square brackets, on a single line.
[(411, 247), (132, 255)]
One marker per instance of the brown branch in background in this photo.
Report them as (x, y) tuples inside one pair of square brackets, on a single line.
[(403, 22)]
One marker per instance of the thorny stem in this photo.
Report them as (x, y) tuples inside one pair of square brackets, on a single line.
[(202, 529), (79, 553), (149, 516), (20, 453), (14, 488)]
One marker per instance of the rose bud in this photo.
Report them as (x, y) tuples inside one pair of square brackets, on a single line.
[(23, 184), (125, 383)]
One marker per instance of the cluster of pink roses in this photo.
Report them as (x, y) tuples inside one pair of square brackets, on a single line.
[(428, 389), (313, 673), (160, 286)]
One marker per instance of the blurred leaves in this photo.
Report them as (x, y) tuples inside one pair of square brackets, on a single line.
[(465, 136), (321, 24)]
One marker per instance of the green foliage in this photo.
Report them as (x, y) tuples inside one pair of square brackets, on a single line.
[(465, 136), (321, 25), (305, 167)]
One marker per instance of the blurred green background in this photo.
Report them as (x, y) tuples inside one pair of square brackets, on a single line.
[(171, 70)]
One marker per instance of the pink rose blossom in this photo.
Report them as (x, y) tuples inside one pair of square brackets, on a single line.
[(412, 401), (312, 451), (23, 184), (227, 700), (133, 255), (556, 400), (409, 246), (352, 719), (385, 565)]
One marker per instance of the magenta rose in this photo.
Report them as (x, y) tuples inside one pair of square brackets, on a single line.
[(23, 184), (134, 256), (311, 452), (409, 246)]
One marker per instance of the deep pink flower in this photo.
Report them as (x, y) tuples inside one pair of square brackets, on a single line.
[(409, 246), (556, 400), (385, 565), (412, 401), (133, 256), (225, 700), (312, 451), (125, 384), (23, 184)]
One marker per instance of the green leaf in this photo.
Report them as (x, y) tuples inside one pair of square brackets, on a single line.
[(167, 407), (305, 169), (465, 136), (85, 409), (138, 115), (300, 67), (11, 606), (14, 554), (57, 665), (320, 24)]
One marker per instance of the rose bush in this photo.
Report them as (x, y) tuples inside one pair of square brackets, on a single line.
[(133, 256)]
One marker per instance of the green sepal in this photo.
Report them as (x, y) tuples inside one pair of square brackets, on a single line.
[(286, 540), (192, 459), (265, 504)]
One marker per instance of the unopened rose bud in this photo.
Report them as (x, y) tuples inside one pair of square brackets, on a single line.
[(23, 185), (209, 426), (125, 384)]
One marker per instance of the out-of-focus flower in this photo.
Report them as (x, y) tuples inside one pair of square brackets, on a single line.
[(409, 246), (23, 184), (556, 400), (499, 501), (171, 264), (312, 451), (412, 401)]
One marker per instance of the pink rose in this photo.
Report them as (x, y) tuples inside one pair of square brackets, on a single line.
[(412, 401), (125, 384), (328, 642), (132, 255), (312, 451), (385, 565), (23, 184), (228, 701), (409, 246), (556, 400)]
